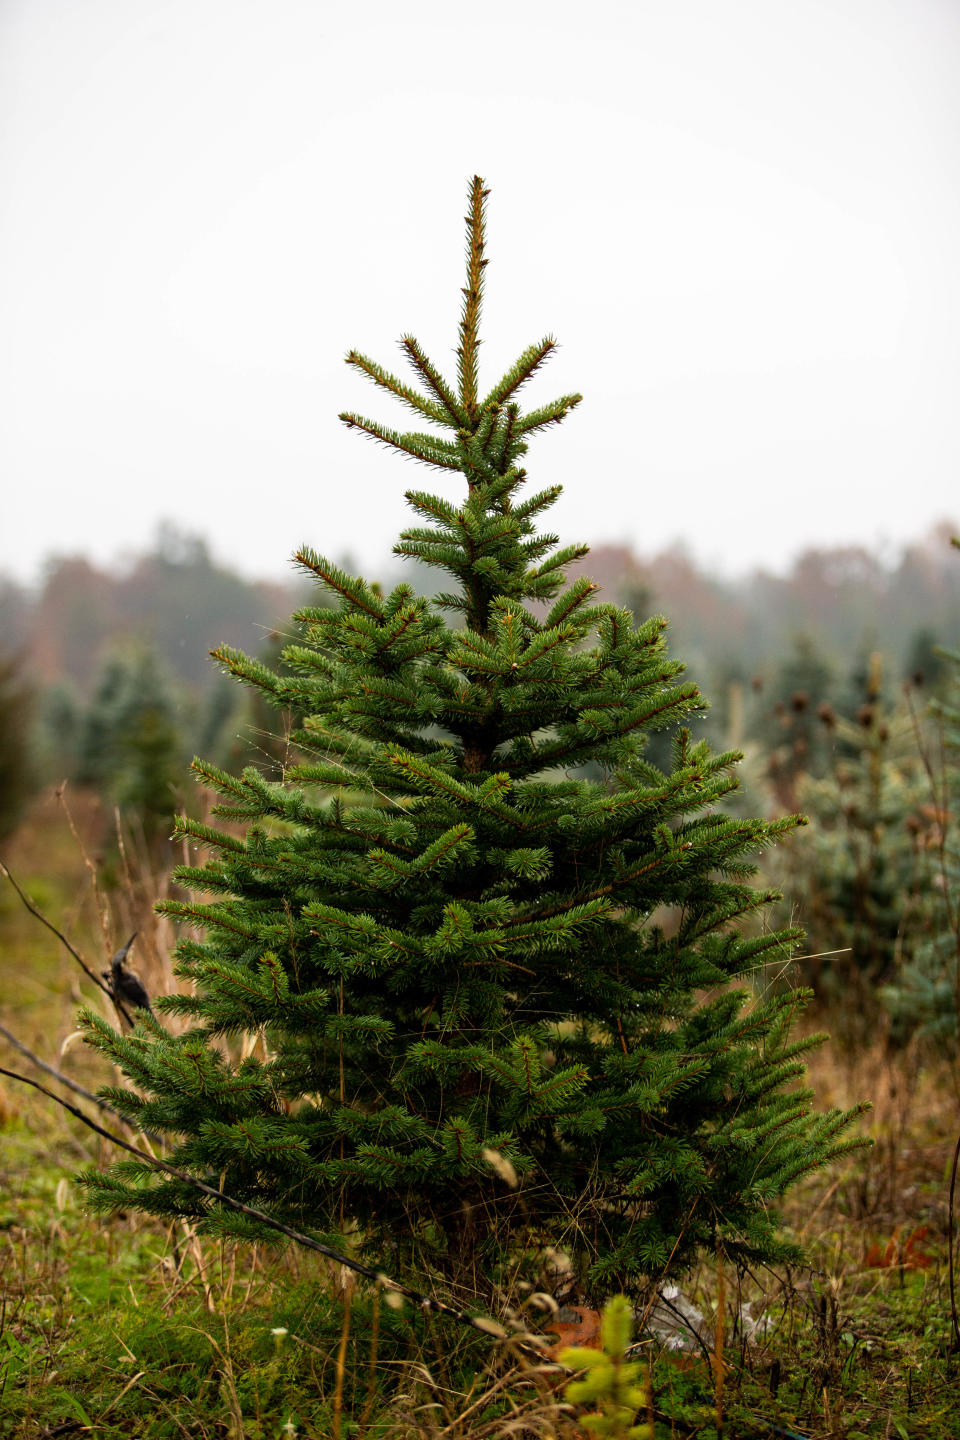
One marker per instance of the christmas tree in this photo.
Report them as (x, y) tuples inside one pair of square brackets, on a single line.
[(924, 996), (486, 1003), (130, 745), (863, 882)]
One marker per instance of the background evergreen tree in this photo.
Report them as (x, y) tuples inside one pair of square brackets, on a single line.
[(465, 966), (57, 729), (924, 995), (790, 726), (862, 874), (926, 666), (17, 774), (130, 744)]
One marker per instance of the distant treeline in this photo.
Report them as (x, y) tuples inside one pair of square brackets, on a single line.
[(176, 601), (173, 600), (844, 601)]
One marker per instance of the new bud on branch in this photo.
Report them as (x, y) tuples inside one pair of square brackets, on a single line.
[(472, 919)]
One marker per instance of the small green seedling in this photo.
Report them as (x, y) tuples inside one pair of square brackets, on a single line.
[(610, 1382)]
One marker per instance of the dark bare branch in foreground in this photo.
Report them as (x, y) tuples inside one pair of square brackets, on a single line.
[(73, 1085), (57, 1074), (39, 915)]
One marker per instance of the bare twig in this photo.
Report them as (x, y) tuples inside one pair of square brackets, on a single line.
[(102, 908), (341, 1366), (39, 915), (822, 954), (57, 1075), (73, 1084)]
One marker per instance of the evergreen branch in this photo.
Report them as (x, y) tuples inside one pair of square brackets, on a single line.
[(521, 371), (445, 557), (431, 777), (418, 447), (254, 672), (206, 877), (378, 688), (467, 351), (541, 501), (218, 779), (184, 825), (646, 867), (486, 429), (443, 848), (396, 387), (420, 535), (545, 642), (485, 1326), (447, 847), (551, 414), (486, 533), (701, 923), (446, 600), (402, 622), (628, 802), (454, 412), (548, 925), (507, 448), (495, 490), (538, 546), (686, 696), (559, 561), (449, 449), (432, 507), (205, 915), (309, 661), (579, 592), (348, 587)]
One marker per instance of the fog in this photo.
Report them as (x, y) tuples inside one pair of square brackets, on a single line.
[(741, 222)]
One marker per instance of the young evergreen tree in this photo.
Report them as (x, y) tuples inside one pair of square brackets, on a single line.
[(130, 745), (466, 967), (17, 767), (924, 996), (861, 878)]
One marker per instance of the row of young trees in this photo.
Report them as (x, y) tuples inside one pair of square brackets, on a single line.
[(130, 741), (131, 731)]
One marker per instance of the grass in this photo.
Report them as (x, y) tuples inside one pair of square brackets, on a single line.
[(125, 1327)]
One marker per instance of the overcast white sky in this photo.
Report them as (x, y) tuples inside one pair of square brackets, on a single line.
[(741, 219)]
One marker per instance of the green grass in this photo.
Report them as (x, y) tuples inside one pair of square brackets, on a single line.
[(876, 1361), (113, 1324)]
